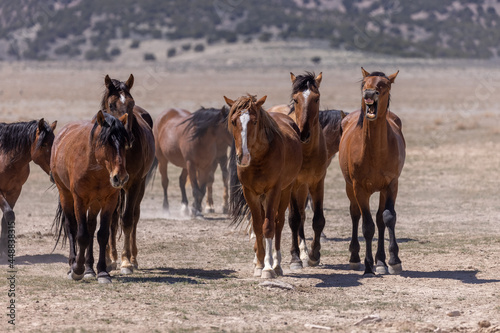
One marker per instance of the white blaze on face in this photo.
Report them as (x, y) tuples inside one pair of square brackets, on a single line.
[(306, 94), (244, 119), (122, 98)]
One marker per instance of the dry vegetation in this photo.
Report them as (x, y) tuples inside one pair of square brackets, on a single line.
[(196, 275)]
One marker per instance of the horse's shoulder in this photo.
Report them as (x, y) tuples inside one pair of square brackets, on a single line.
[(392, 117)]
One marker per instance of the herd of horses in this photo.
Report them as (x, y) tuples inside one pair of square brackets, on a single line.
[(278, 160)]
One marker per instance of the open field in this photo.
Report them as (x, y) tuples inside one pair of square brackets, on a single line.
[(196, 275)]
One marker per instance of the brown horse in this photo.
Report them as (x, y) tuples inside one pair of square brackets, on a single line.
[(118, 101), (311, 178), (88, 168), (20, 143), (372, 154), (268, 151), (195, 142)]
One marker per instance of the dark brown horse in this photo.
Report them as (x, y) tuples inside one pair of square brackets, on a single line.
[(195, 142), (118, 101), (20, 143), (371, 156), (269, 157), (88, 168), (311, 178)]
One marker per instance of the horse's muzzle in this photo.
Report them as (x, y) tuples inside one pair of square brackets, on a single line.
[(118, 182)]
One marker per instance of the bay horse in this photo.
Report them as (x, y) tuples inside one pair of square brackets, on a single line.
[(268, 155), (311, 178), (88, 166), (371, 157), (20, 143), (195, 142), (118, 101)]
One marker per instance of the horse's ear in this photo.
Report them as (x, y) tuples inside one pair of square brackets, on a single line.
[(229, 102), (130, 81), (292, 77), (393, 77), (107, 82), (100, 119), (318, 79), (124, 119), (342, 114), (41, 125), (261, 101), (365, 73), (53, 126)]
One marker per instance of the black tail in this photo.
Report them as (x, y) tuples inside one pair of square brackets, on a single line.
[(150, 177), (58, 226), (238, 208)]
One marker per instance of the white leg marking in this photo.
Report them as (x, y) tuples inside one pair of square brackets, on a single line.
[(277, 258), (304, 252), (268, 259)]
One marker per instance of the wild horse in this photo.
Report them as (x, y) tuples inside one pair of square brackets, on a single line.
[(20, 143), (118, 101), (371, 156), (268, 155), (88, 166)]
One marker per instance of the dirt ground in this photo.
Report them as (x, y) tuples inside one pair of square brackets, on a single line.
[(196, 274)]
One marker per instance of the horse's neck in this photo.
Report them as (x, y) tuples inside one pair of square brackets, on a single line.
[(375, 141)]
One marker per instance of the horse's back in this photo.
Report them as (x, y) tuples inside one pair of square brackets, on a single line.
[(144, 115), (330, 121), (168, 130)]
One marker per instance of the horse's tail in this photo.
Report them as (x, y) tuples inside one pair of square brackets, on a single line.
[(150, 177), (58, 225), (238, 207)]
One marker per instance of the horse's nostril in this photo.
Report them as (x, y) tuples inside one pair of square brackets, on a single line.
[(239, 157)]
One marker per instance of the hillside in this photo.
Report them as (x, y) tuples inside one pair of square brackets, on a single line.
[(92, 29)]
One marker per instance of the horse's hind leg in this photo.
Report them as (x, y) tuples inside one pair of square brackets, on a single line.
[(225, 179), (163, 168), (198, 191), (182, 185), (389, 218), (8, 220), (355, 260), (296, 217), (137, 215), (111, 252)]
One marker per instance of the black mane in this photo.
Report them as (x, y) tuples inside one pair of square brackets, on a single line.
[(111, 132), (327, 117), (18, 137), (304, 82), (203, 119)]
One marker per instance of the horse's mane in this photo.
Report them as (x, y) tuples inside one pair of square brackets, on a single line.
[(266, 122), (118, 86), (203, 119), (327, 117), (18, 137), (112, 131), (380, 74)]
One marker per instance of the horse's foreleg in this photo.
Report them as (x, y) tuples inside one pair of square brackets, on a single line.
[(103, 237), (8, 219), (296, 219), (381, 266), (363, 199), (318, 224), (111, 252), (225, 179), (89, 258), (279, 223), (256, 210), (137, 216), (83, 240), (355, 260), (128, 226), (272, 203), (389, 218)]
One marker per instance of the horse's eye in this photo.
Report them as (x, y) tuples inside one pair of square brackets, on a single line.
[(376, 92)]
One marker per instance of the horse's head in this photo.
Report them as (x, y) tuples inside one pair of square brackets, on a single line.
[(375, 92), (117, 99), (305, 96), (42, 144), (110, 140), (243, 122)]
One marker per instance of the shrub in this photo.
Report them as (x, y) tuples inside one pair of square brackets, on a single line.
[(199, 48), (149, 57), (135, 44), (171, 52)]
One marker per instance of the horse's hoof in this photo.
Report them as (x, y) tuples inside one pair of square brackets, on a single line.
[(313, 263), (103, 278), (76, 277), (295, 266), (127, 270), (268, 274), (278, 271), (395, 269), (368, 275), (355, 266), (209, 210), (89, 275), (111, 267), (257, 272), (381, 268)]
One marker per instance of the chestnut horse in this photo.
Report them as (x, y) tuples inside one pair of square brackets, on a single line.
[(269, 157), (20, 143), (195, 142), (118, 101), (372, 154), (311, 178), (88, 166)]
